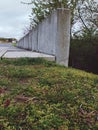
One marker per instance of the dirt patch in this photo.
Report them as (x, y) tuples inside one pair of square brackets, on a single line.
[(21, 98)]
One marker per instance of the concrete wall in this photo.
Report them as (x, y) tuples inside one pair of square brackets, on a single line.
[(52, 36), (35, 39), (47, 34), (63, 36)]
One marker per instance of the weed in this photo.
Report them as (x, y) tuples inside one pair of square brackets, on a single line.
[(40, 95)]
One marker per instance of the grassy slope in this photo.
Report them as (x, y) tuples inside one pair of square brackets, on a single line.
[(40, 95)]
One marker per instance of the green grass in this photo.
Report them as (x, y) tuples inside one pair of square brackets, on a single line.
[(14, 44), (39, 95)]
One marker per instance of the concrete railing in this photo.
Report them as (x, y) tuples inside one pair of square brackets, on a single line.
[(51, 36)]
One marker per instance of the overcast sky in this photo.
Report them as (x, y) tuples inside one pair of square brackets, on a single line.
[(14, 18)]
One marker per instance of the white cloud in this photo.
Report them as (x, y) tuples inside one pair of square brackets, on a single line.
[(14, 16)]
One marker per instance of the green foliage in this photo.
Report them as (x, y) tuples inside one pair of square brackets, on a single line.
[(83, 13), (14, 44), (40, 95), (28, 61), (89, 34), (86, 14), (42, 8)]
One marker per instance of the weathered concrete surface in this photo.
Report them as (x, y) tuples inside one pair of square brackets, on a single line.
[(8, 51), (29, 54), (30, 41), (63, 36), (3, 48), (47, 34), (2, 52), (51, 36), (21, 43), (26, 42), (35, 39)]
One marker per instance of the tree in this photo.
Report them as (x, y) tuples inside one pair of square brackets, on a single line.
[(83, 12), (87, 16), (42, 8)]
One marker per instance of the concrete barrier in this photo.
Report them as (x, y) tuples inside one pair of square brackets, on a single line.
[(51, 36), (35, 39), (30, 40)]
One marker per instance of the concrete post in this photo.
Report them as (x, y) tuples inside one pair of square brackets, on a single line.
[(63, 36), (35, 39), (51, 36), (30, 41)]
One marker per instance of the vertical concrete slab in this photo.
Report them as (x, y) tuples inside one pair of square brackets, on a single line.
[(47, 34), (26, 41), (20, 43), (30, 40), (63, 36), (35, 39)]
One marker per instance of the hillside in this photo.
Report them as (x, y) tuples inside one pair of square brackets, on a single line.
[(39, 95)]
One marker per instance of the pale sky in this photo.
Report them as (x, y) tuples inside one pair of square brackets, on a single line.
[(14, 18)]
